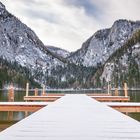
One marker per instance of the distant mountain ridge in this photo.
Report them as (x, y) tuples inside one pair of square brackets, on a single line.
[(97, 49), (58, 51), (18, 43)]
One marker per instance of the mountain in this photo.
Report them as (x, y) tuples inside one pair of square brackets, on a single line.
[(58, 51), (124, 64), (97, 49), (18, 43), (15, 73), (109, 55)]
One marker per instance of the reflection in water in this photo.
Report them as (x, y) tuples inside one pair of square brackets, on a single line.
[(6, 124), (9, 118), (134, 97)]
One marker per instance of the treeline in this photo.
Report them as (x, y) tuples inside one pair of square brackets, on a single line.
[(12, 72), (71, 76)]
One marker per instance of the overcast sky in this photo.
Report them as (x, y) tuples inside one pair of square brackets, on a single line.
[(68, 23)]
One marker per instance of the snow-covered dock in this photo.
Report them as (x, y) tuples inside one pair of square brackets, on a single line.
[(128, 107), (74, 117), (22, 106), (34, 106), (42, 98), (111, 98), (102, 97)]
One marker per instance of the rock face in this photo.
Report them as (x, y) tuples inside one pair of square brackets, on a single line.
[(19, 43), (124, 64), (97, 49), (58, 51)]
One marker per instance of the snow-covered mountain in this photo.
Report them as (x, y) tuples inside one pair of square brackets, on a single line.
[(18, 43), (58, 51), (21, 48), (97, 49), (124, 64)]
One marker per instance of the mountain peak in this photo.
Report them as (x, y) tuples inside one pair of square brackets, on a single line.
[(124, 22), (103, 43), (2, 6), (121, 21), (3, 12)]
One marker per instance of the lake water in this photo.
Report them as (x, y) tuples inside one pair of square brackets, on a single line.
[(9, 118)]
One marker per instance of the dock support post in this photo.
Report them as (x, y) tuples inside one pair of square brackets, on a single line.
[(27, 89), (36, 91), (108, 88), (43, 90), (125, 90), (10, 115), (116, 92), (11, 94), (26, 114)]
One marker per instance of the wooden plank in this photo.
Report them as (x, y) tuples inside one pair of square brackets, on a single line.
[(111, 98), (30, 108), (128, 109), (98, 94), (42, 98), (125, 107), (55, 94), (22, 106), (74, 117)]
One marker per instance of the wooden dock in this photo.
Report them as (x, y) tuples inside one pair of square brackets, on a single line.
[(98, 97), (42, 98), (74, 117), (98, 94), (111, 98), (130, 107), (22, 106)]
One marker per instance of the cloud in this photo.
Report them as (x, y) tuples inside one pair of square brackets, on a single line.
[(113, 10), (68, 23)]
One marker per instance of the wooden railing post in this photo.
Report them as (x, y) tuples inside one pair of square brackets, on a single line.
[(10, 115), (11, 94), (27, 89), (116, 92), (36, 91), (125, 90), (26, 113), (109, 88), (43, 90)]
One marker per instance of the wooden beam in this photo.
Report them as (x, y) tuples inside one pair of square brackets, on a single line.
[(129, 109), (42, 98), (111, 98), (98, 94), (55, 94), (30, 108)]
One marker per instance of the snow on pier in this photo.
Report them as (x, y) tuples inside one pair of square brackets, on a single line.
[(74, 117)]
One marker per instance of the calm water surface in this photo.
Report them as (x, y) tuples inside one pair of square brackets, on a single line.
[(9, 118)]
